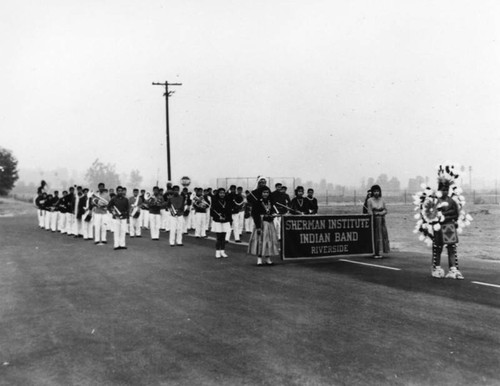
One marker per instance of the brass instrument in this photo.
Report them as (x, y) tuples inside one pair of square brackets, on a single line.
[(97, 200), (87, 215), (116, 212), (135, 211)]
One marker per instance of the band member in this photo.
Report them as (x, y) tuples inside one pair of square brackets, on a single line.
[(80, 210), (54, 211), (221, 215), (208, 198), (281, 201), (165, 220), (70, 207), (76, 231), (61, 226), (313, 202), (100, 202), (235, 202), (155, 204), (240, 203), (40, 204), (48, 211), (135, 202), (377, 208), (187, 211), (256, 194), (299, 205), (200, 206), (264, 240), (144, 217), (176, 206), (86, 216), (249, 225), (119, 206)]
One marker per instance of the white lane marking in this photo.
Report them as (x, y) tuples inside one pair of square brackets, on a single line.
[(486, 284), (371, 265)]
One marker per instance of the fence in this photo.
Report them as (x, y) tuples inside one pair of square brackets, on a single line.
[(354, 197)]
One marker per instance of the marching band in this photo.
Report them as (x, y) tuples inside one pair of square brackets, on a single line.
[(82, 213)]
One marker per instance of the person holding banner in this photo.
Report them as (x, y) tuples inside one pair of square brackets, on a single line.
[(376, 207), (299, 205), (264, 239), (313, 202), (221, 215)]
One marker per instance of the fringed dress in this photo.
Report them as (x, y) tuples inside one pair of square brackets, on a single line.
[(266, 243), (377, 208)]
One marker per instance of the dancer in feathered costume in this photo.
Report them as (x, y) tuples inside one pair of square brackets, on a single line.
[(441, 218)]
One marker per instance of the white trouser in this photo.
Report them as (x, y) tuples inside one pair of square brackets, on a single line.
[(87, 229), (209, 220), (191, 219), (176, 227), (109, 222), (164, 221), (241, 220), (62, 222), (200, 224), (46, 220), (41, 218), (144, 219), (100, 221), (53, 220), (70, 217), (154, 225), (135, 226), (277, 225), (77, 227), (249, 224), (187, 220), (235, 228), (120, 231)]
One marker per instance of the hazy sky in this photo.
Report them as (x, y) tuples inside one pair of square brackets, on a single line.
[(312, 89)]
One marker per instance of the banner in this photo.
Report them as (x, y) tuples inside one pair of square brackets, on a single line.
[(309, 237)]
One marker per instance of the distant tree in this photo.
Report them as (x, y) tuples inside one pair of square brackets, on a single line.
[(100, 172), (8, 171), (383, 180), (414, 183), (370, 182), (394, 185), (135, 179)]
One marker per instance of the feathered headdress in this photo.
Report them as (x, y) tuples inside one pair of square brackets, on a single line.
[(429, 207)]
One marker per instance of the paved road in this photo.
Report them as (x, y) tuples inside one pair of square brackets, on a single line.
[(72, 313)]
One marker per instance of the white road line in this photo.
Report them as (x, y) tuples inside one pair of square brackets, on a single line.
[(486, 284), (371, 265)]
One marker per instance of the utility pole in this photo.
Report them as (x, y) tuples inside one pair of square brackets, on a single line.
[(167, 95)]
